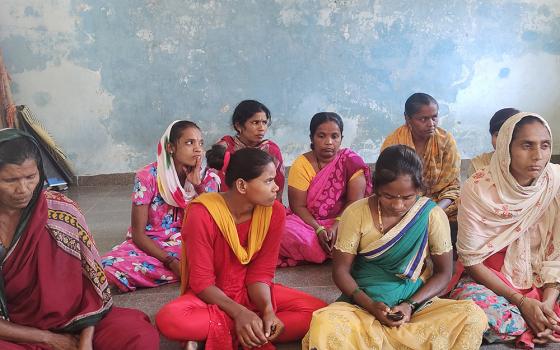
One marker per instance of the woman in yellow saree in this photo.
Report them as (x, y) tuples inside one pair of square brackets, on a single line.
[(392, 258), (437, 149)]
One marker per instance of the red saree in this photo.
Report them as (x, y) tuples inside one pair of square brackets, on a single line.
[(37, 294)]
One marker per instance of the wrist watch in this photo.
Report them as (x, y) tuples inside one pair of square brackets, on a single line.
[(413, 305)]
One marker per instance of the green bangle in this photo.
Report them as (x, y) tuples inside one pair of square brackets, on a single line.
[(356, 291), (319, 229)]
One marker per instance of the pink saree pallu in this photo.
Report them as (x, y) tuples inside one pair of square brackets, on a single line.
[(326, 198)]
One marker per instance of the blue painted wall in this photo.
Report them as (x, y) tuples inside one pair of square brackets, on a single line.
[(106, 77)]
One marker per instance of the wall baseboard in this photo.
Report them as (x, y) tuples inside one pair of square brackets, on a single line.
[(128, 178), (105, 179)]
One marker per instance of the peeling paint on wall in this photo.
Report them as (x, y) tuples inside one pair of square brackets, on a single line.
[(107, 76)]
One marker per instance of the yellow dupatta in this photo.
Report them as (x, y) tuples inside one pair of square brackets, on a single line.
[(216, 205)]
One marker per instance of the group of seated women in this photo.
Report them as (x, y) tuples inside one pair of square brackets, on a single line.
[(221, 230)]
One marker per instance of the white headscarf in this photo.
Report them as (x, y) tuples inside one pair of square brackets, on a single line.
[(170, 189)]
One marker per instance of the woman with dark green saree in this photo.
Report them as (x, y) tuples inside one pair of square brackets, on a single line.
[(53, 292), (392, 257)]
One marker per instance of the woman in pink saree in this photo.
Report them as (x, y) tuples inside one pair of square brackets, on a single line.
[(321, 183)]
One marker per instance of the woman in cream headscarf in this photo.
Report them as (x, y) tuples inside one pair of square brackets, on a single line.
[(508, 240)]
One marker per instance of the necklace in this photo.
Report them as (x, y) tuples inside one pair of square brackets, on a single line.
[(379, 219), (317, 160)]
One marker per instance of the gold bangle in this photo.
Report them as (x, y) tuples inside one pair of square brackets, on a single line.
[(512, 295), (521, 301)]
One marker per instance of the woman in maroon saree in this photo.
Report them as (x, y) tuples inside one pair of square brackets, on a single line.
[(53, 292)]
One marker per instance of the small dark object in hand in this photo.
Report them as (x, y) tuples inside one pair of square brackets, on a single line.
[(396, 316), (272, 330)]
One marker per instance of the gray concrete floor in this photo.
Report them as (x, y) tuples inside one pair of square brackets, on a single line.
[(107, 211)]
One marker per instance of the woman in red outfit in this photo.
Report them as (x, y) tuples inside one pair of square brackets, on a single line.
[(53, 292), (232, 240), (251, 120)]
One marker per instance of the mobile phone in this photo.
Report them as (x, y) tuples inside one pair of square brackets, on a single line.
[(396, 316)]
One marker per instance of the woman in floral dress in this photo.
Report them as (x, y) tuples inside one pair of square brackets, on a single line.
[(150, 254)]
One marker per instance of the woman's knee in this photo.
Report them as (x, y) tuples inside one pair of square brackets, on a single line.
[(169, 320), (476, 316), (183, 321)]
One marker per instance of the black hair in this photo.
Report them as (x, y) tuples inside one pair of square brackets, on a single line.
[(323, 117), (416, 101), (530, 119), (395, 161), (500, 117), (177, 130), (247, 164), (17, 151), (215, 156), (246, 109)]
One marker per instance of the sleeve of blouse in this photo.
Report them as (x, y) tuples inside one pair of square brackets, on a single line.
[(263, 265), (356, 174), (298, 177), (198, 236), (144, 185), (349, 233), (439, 233)]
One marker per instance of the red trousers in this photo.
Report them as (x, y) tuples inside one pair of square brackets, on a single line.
[(187, 317), (123, 329)]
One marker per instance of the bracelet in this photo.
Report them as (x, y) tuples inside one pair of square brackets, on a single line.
[(168, 260), (356, 291), (521, 301), (319, 229)]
